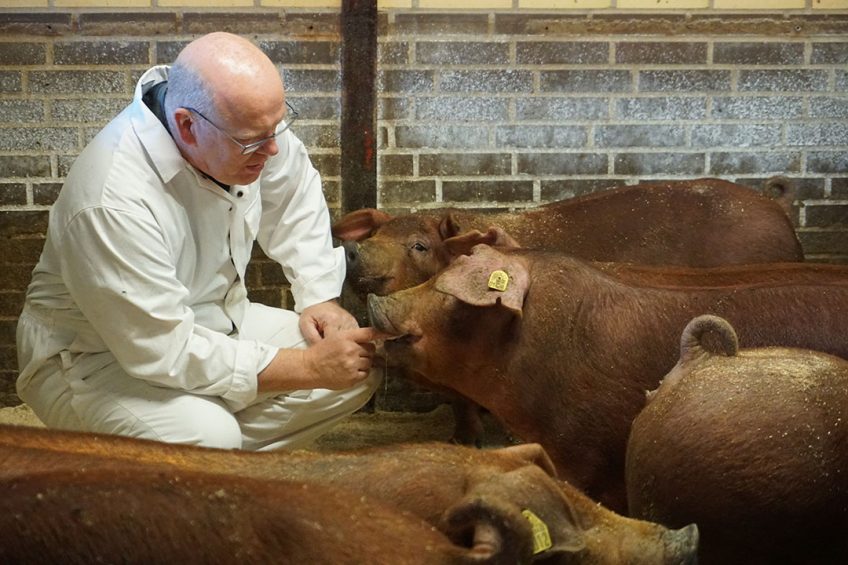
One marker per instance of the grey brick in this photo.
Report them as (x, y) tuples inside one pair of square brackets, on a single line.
[(538, 24), (783, 80), (661, 53), (541, 136), (302, 52), (599, 81), (823, 241), (312, 135), (246, 23), (83, 82), (328, 164), (405, 81), (88, 111), (831, 133), (22, 54), (839, 189), (470, 137), (735, 135), (45, 193), (639, 136), (441, 24), (841, 81), (487, 191), (749, 162), (35, 24), (18, 111), (24, 250), (562, 163), (10, 82), (829, 107), (827, 162), (506, 80), (65, 162), (835, 53), (395, 165), (11, 302), (332, 191), (22, 223), (102, 53), (23, 139), (665, 163), (826, 215), (554, 190), (12, 193), (464, 164), (758, 107), (760, 53), (394, 107), (551, 108), (466, 109), (416, 191), (316, 107), (662, 108), (393, 53), (562, 52), (128, 23), (24, 166), (165, 52), (461, 53), (684, 81), (297, 80), (314, 23)]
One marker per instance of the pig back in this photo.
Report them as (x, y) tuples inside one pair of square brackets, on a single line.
[(752, 445), (699, 223)]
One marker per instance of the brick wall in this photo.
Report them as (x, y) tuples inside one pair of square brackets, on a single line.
[(505, 103)]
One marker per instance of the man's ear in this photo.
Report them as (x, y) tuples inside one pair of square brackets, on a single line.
[(184, 122)]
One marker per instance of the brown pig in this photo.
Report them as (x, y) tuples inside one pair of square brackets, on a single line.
[(700, 223), (149, 516), (476, 497), (561, 352), (750, 443)]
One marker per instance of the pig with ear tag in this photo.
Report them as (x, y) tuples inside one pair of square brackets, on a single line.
[(561, 351)]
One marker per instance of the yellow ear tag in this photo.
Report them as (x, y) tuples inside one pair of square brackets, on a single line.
[(498, 280), (541, 535)]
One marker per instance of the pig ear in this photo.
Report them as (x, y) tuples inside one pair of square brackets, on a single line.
[(532, 453), (360, 224), (449, 226), (486, 278), (710, 334), (463, 243), (504, 533), (496, 533)]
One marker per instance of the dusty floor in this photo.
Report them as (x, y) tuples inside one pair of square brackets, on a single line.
[(362, 429)]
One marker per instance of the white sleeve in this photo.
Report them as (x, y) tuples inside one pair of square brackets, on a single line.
[(295, 226)]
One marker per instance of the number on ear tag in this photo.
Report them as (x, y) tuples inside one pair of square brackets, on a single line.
[(498, 280), (541, 535)]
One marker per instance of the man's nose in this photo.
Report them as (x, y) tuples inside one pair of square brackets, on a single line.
[(270, 147)]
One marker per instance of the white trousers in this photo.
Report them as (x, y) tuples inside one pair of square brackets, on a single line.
[(112, 402)]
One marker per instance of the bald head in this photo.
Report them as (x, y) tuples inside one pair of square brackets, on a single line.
[(239, 84)]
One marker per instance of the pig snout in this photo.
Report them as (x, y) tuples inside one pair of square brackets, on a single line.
[(351, 251), (377, 316), (682, 545)]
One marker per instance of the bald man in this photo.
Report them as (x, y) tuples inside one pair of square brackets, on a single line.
[(137, 320)]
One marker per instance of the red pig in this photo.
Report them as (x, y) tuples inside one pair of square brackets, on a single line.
[(561, 352)]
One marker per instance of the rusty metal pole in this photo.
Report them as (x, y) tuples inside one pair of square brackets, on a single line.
[(359, 103)]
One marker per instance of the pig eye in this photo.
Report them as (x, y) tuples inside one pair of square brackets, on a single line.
[(418, 246)]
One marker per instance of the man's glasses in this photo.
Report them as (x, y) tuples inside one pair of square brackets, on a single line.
[(247, 148)]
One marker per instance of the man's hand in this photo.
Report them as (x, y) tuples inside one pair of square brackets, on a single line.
[(340, 360), (322, 320)]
